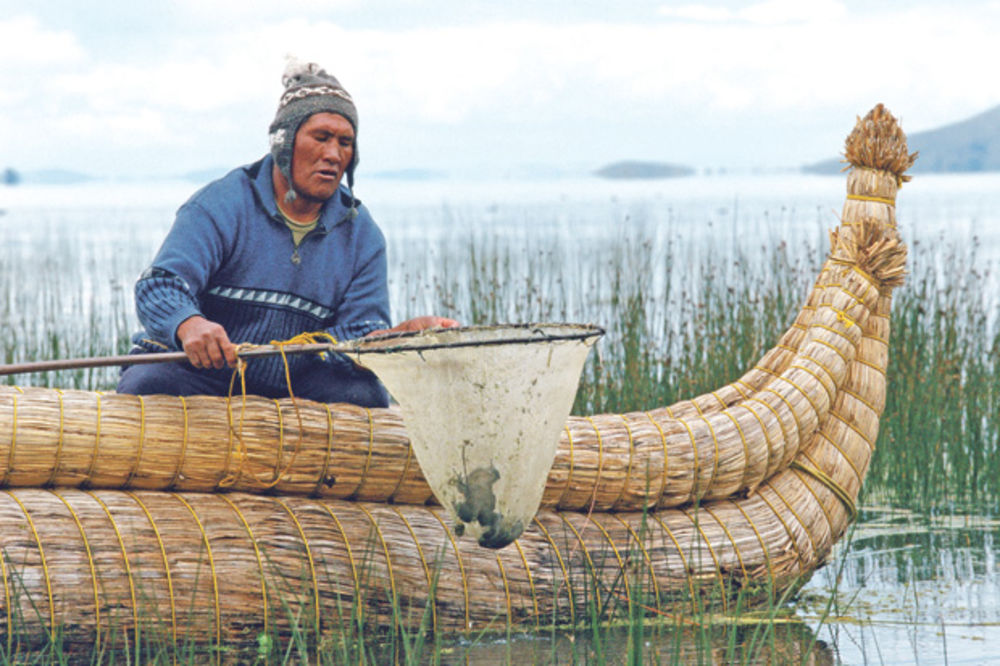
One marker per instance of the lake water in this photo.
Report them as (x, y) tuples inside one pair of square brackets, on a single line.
[(119, 225), (909, 589)]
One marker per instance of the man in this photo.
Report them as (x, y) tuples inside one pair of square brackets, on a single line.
[(272, 250)]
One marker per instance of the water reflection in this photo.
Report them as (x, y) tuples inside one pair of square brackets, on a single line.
[(907, 588), (901, 588), (766, 643)]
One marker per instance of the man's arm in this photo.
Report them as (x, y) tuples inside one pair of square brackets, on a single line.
[(365, 307), (206, 343), (365, 304), (166, 295), (418, 324)]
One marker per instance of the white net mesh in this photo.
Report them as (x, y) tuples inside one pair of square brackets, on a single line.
[(484, 408)]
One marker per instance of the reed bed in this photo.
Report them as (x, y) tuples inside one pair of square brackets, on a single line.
[(945, 355)]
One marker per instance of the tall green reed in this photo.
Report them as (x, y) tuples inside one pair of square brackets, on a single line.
[(940, 433), (682, 320)]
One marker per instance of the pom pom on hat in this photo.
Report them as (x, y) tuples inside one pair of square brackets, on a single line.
[(295, 69), (309, 89)]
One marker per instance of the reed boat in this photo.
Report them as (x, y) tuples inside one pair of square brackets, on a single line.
[(214, 519)]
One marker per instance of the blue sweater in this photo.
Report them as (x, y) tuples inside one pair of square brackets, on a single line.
[(230, 257)]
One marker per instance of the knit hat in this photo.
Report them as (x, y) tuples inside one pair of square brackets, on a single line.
[(308, 90)]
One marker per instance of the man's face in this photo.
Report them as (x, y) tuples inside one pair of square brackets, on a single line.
[(324, 147)]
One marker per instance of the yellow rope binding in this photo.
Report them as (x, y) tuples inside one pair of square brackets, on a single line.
[(312, 565), (166, 568), (62, 437), (184, 445), (863, 197), (628, 473), (231, 478), (506, 591), (427, 570), (128, 572), (562, 565), (93, 571), (142, 440), (50, 631), (10, 619), (97, 444), (798, 518), (834, 487), (256, 550), (394, 601), (211, 565), (329, 453), (531, 582), (569, 475), (13, 444), (844, 318), (621, 566)]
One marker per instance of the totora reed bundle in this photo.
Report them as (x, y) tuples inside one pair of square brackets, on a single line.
[(747, 487)]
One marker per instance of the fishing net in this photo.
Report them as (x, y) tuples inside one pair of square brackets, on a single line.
[(484, 407)]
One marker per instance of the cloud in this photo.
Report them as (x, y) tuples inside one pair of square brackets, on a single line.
[(772, 55), (808, 60), (118, 129), (785, 12), (769, 12), (772, 63), (237, 10), (702, 13), (198, 84), (25, 44), (32, 55)]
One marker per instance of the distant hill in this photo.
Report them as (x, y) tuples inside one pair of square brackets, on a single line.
[(55, 177), (637, 169), (410, 174), (204, 175), (965, 146)]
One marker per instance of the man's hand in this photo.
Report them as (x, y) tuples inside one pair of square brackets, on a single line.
[(206, 343), (418, 324)]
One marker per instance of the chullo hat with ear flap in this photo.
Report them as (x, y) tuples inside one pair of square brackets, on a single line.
[(308, 90)]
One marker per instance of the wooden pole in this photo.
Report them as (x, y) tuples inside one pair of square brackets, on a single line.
[(161, 357)]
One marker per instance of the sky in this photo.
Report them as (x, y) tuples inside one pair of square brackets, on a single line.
[(137, 89)]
